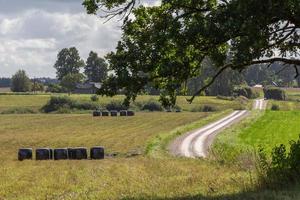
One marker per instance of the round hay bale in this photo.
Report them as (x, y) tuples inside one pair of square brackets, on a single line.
[(123, 113), (61, 154), (79, 153), (113, 113), (25, 154), (130, 113), (105, 113), (97, 113), (97, 153), (43, 154)]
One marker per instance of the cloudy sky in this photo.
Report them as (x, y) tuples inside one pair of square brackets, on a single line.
[(33, 31)]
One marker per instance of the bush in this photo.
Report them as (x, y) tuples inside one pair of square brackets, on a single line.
[(246, 92), (19, 111), (152, 106), (283, 168), (116, 105), (64, 103), (204, 108), (275, 107), (54, 88), (94, 98), (274, 93)]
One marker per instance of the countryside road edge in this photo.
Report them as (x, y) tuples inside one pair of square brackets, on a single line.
[(196, 144)]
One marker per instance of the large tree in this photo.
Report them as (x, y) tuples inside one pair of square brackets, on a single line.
[(20, 82), (168, 44), (96, 68), (68, 62), (70, 81)]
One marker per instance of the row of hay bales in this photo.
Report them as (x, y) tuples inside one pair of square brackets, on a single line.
[(78, 153), (113, 113)]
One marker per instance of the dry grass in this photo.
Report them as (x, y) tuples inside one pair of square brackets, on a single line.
[(118, 178)]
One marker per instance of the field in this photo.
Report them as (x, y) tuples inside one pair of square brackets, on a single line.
[(265, 130), (142, 168), (114, 178)]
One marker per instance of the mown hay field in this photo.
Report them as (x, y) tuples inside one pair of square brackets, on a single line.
[(113, 178)]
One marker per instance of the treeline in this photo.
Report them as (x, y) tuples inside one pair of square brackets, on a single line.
[(275, 75)]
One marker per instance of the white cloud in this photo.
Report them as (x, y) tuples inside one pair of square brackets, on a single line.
[(33, 31), (31, 40)]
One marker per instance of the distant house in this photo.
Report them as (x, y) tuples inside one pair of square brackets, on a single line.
[(258, 86), (87, 88)]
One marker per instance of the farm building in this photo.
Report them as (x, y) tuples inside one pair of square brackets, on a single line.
[(87, 88)]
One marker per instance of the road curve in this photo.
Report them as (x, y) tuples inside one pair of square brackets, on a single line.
[(197, 143)]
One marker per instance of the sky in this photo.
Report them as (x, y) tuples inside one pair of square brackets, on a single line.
[(32, 32)]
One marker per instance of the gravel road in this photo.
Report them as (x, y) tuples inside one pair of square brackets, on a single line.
[(196, 144)]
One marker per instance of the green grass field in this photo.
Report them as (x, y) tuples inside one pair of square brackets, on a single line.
[(266, 130)]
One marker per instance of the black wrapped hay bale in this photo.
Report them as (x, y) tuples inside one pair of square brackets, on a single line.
[(60, 154), (43, 154), (78, 153), (130, 113), (113, 113), (178, 110), (105, 113), (97, 153), (123, 113), (97, 113), (25, 154)]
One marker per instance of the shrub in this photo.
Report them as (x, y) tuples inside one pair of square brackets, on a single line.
[(116, 105), (204, 108), (94, 98), (246, 92), (57, 102), (19, 111), (275, 107), (274, 93), (152, 106), (63, 103), (282, 168)]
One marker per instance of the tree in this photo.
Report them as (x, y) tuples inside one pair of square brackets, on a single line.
[(68, 62), (168, 44), (20, 82), (69, 81), (96, 68), (37, 86)]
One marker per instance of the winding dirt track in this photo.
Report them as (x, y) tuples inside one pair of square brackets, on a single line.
[(197, 143)]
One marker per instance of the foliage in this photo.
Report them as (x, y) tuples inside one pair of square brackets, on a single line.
[(20, 82), (37, 86), (94, 98), (116, 105), (70, 81), (64, 103), (167, 45), (284, 166), (95, 68), (246, 92), (204, 108), (275, 107), (152, 105), (55, 88), (274, 93), (68, 62)]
